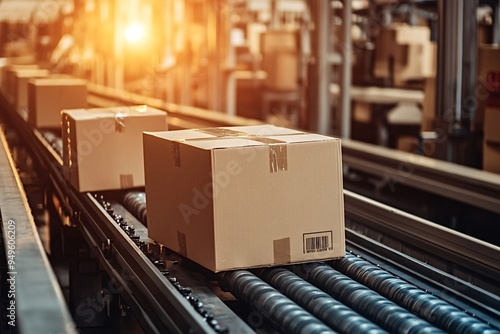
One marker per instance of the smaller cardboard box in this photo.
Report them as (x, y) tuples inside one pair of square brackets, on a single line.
[(102, 147), (428, 107), (20, 96), (491, 157), (242, 197), (492, 124), (282, 70), (8, 78), (48, 96), (409, 47)]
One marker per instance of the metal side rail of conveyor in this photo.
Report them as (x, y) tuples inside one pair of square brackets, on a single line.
[(30, 292), (463, 184)]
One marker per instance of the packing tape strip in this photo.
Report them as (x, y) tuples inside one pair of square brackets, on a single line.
[(278, 156)]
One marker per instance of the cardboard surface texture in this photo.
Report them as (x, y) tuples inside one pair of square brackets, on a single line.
[(21, 86), (8, 78), (48, 96), (487, 62), (411, 50), (245, 197), (102, 147), (429, 108), (491, 157), (492, 125)]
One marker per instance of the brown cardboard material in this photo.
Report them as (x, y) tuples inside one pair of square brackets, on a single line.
[(492, 125), (411, 49), (491, 157), (102, 147), (20, 92), (48, 96), (8, 78), (282, 70), (428, 107), (487, 61), (244, 197)]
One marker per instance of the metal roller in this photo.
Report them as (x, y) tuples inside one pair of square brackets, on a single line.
[(54, 140), (333, 313), (285, 314), (135, 202), (370, 304), (425, 305)]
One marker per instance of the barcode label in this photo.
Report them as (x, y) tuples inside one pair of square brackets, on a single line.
[(318, 242)]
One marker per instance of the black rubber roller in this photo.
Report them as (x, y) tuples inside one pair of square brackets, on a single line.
[(425, 305), (281, 311), (135, 203), (333, 313), (368, 303)]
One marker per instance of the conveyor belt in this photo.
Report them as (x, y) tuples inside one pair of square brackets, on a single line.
[(164, 304), (331, 311), (26, 274), (361, 287)]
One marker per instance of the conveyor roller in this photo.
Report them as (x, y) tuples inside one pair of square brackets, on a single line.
[(285, 314), (425, 305), (330, 311), (370, 304)]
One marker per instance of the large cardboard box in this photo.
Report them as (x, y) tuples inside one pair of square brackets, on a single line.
[(242, 197), (20, 87), (48, 96), (102, 147)]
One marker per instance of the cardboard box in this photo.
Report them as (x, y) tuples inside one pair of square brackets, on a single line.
[(48, 96), (21, 78), (491, 157), (429, 104), (282, 69), (245, 196), (492, 124), (279, 41), (8, 78), (411, 50), (487, 61), (102, 147), (407, 144)]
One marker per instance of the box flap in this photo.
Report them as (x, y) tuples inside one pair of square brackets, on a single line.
[(58, 82), (233, 137), (112, 112)]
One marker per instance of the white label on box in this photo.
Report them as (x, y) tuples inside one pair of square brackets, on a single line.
[(318, 242)]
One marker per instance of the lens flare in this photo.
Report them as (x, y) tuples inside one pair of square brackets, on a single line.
[(134, 32)]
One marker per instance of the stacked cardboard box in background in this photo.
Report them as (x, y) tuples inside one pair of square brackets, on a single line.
[(280, 59), (429, 104), (487, 61), (491, 142), (411, 50), (245, 196), (102, 147), (48, 96), (9, 77), (20, 87)]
